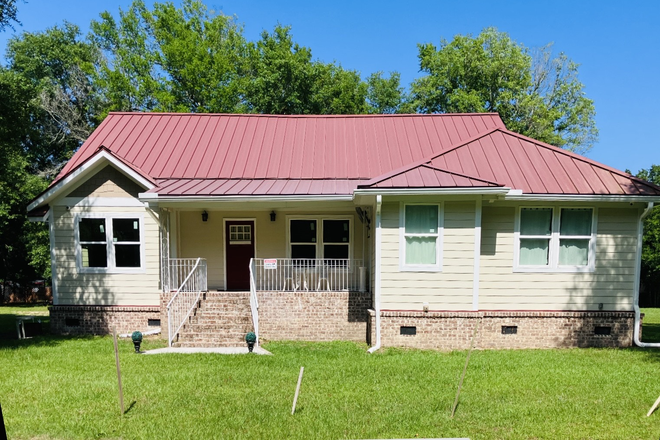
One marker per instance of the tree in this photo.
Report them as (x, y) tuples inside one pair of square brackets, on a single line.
[(650, 270), (284, 79), (535, 94), (59, 67), (385, 95), (8, 12)]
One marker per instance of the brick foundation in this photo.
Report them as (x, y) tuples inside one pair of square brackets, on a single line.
[(314, 316), (99, 320), (454, 330)]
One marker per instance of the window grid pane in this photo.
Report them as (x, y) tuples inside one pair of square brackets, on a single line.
[(573, 252), (536, 221), (534, 252), (421, 250), (575, 222), (421, 219)]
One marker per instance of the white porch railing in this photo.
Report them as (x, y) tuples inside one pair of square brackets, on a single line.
[(317, 274), (186, 297), (177, 271), (254, 302)]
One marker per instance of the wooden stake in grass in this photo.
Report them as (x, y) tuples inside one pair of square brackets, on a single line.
[(655, 405), (467, 360), (295, 398), (121, 391)]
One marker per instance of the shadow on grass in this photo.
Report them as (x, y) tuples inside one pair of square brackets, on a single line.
[(651, 332), (40, 341), (130, 407)]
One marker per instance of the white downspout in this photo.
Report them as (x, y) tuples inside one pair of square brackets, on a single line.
[(377, 257), (638, 274)]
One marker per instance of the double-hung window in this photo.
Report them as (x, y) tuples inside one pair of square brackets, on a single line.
[(556, 238), (421, 238), (109, 243), (327, 238)]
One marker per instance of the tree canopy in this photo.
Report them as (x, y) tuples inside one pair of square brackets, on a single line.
[(8, 12), (535, 94)]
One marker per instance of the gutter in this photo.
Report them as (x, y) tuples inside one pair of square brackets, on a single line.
[(377, 257), (638, 274)]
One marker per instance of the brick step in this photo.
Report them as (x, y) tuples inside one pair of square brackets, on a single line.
[(208, 344), (215, 329), (210, 340)]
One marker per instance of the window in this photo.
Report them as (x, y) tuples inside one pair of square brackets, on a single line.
[(240, 234), (109, 243), (561, 239), (332, 241), (420, 242)]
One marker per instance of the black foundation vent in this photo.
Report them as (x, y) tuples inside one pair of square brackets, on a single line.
[(603, 331), (408, 331), (154, 323), (72, 322), (509, 329)]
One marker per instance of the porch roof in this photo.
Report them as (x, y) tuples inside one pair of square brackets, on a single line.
[(254, 187)]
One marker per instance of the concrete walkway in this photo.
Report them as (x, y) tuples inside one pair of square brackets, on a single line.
[(217, 350)]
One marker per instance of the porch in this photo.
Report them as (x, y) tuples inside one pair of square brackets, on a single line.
[(296, 299)]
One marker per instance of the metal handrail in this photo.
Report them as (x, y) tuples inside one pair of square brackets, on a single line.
[(254, 301), (184, 298)]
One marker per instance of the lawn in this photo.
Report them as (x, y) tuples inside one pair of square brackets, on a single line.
[(54, 387)]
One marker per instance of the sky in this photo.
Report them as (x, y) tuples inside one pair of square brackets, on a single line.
[(617, 45)]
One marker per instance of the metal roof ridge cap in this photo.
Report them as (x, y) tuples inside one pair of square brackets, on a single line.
[(262, 115)]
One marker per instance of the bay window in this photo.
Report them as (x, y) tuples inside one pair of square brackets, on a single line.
[(556, 238)]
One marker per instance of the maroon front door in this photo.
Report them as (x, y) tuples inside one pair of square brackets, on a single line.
[(239, 246)]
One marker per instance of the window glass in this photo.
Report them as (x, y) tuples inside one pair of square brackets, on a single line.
[(421, 219), (125, 229), (573, 252), (536, 221), (534, 252), (302, 231), (335, 251), (92, 229), (421, 250), (575, 222), (127, 255), (94, 255), (303, 251), (335, 231)]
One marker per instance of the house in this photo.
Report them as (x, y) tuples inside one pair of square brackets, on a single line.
[(401, 230)]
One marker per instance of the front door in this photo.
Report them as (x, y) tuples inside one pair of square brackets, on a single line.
[(239, 246)]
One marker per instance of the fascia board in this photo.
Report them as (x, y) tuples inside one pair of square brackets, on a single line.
[(220, 199), (579, 198), (82, 171), (431, 191)]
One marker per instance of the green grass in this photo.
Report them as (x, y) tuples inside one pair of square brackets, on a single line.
[(651, 325), (56, 387)]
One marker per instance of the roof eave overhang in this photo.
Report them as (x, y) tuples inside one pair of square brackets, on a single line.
[(39, 218), (432, 191), (75, 176), (156, 198), (580, 198)]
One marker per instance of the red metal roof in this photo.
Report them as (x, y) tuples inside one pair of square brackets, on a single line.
[(230, 154), (229, 146)]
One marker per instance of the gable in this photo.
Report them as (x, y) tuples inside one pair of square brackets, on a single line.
[(108, 182)]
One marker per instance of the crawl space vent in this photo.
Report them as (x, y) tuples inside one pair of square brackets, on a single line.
[(509, 329), (408, 331), (603, 331)]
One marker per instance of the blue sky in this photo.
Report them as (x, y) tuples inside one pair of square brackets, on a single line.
[(617, 45)]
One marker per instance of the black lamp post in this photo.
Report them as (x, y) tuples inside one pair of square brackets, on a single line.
[(250, 338)]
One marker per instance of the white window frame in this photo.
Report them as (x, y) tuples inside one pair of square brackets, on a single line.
[(319, 233), (553, 251), (110, 245), (437, 267)]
